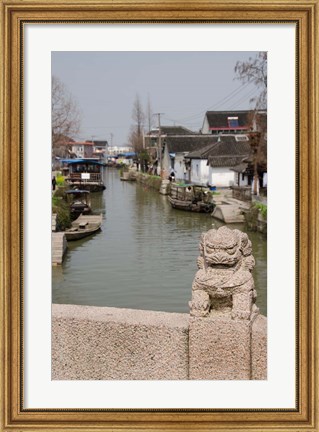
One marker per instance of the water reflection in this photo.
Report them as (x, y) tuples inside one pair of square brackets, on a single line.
[(145, 255)]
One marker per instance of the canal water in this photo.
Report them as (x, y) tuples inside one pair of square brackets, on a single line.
[(145, 255)]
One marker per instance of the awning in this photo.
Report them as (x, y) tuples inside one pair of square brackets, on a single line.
[(81, 161), (77, 191)]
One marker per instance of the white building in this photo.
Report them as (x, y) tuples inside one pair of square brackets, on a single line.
[(221, 163), (82, 149), (114, 150), (176, 149)]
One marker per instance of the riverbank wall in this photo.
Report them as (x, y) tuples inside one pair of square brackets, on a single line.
[(255, 219), (102, 343), (150, 181)]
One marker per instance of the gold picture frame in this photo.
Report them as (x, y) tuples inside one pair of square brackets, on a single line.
[(14, 13)]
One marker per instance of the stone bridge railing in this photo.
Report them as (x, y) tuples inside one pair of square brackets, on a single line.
[(223, 338)]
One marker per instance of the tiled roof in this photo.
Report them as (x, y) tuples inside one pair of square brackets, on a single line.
[(203, 152), (225, 161), (181, 144), (223, 151), (100, 143), (228, 152), (176, 130), (219, 119), (240, 168), (80, 143)]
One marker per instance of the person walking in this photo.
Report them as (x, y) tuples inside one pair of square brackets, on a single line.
[(171, 178), (53, 183)]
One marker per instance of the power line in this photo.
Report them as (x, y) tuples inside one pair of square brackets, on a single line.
[(103, 127), (235, 95), (246, 96), (226, 100), (219, 102)]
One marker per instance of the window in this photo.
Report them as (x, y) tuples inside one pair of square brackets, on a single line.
[(241, 138), (232, 122)]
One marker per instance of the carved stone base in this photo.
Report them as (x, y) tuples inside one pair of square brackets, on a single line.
[(259, 348), (219, 347)]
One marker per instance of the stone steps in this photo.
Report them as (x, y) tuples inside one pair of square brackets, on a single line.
[(59, 246), (53, 222), (228, 213)]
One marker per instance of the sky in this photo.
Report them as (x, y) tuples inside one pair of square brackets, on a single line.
[(181, 85)]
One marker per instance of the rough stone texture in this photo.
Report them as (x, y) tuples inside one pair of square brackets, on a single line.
[(219, 347), (259, 348), (93, 343), (224, 272), (228, 213), (224, 339), (59, 247), (53, 222), (164, 187), (223, 310)]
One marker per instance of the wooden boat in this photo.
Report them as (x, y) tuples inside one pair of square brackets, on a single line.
[(79, 200), (84, 226), (191, 198), (85, 174)]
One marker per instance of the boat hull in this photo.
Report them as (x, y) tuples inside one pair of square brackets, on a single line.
[(78, 235), (91, 187), (198, 207), (84, 226)]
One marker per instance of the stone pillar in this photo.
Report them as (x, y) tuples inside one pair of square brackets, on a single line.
[(164, 187), (259, 348), (219, 347), (222, 308)]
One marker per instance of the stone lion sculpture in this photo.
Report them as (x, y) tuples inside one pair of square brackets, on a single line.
[(224, 277)]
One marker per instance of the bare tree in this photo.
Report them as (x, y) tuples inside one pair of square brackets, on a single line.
[(255, 71), (136, 137), (66, 116), (133, 139), (149, 114), (138, 116)]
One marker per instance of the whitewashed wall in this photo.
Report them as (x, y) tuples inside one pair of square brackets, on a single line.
[(166, 163), (78, 150), (222, 177), (242, 182), (180, 170), (199, 171), (205, 127), (265, 180)]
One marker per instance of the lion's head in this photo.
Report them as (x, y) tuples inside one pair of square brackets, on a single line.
[(224, 247)]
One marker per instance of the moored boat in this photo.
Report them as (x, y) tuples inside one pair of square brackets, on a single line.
[(85, 174), (79, 201), (84, 226), (191, 198)]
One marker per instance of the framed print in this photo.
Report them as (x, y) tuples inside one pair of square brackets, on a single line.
[(118, 117)]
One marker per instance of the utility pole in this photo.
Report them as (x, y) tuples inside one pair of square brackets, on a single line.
[(159, 141), (255, 146), (93, 146)]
